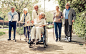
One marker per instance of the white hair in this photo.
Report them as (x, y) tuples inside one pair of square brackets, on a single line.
[(68, 4), (35, 5), (25, 9), (12, 7), (43, 14)]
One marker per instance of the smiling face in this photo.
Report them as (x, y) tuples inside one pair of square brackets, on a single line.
[(36, 8), (25, 12), (13, 9), (57, 8), (67, 6)]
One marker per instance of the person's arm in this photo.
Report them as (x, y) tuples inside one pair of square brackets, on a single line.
[(74, 15), (28, 21), (17, 17), (33, 15), (61, 16)]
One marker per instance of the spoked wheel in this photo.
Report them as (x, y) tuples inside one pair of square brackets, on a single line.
[(29, 45)]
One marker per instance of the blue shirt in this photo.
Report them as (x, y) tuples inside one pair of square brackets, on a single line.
[(66, 13)]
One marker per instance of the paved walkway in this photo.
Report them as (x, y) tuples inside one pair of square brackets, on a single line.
[(21, 47)]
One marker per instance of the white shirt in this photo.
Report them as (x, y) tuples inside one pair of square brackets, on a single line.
[(15, 17), (27, 18), (39, 22), (34, 14)]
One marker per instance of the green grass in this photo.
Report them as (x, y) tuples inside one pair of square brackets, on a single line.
[(1, 30), (2, 33)]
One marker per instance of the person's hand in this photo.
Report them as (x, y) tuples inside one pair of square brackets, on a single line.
[(40, 26), (72, 20), (27, 21), (32, 22), (18, 21), (61, 16), (59, 19)]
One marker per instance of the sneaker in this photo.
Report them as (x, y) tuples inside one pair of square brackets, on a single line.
[(9, 39), (37, 43), (60, 39), (56, 39), (13, 39)]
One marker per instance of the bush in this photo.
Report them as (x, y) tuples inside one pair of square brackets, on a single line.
[(49, 26), (80, 24), (20, 31), (79, 5), (1, 33)]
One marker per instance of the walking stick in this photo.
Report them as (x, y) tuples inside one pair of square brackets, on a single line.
[(20, 34)]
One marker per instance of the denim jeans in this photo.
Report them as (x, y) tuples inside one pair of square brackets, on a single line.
[(26, 28), (57, 26), (12, 24)]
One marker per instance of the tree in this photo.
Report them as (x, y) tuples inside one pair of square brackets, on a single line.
[(61, 4), (19, 5)]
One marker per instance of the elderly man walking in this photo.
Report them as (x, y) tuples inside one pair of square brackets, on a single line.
[(26, 22), (13, 18), (69, 18)]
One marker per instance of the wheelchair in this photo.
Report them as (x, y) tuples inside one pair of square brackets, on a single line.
[(43, 38)]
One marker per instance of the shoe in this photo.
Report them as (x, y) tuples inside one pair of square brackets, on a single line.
[(37, 43), (69, 40), (56, 39), (60, 39), (31, 42), (28, 38), (13, 39), (9, 39)]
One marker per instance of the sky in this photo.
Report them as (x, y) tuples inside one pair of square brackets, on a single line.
[(49, 5)]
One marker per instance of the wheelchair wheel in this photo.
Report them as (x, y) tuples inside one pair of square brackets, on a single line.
[(29, 45)]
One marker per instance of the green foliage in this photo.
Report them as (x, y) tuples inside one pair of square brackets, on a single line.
[(49, 26), (2, 33), (49, 16), (18, 4), (80, 24), (20, 31), (79, 5), (61, 4)]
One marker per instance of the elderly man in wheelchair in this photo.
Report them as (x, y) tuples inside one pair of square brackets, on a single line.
[(38, 29)]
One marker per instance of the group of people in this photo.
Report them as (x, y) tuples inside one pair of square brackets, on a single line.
[(39, 21), (68, 17)]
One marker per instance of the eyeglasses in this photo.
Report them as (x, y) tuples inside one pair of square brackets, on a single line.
[(67, 5), (36, 8)]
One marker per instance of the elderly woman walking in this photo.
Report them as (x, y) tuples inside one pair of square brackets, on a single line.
[(57, 19), (26, 20)]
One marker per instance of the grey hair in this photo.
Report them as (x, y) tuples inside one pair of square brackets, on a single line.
[(25, 9), (12, 7), (68, 4), (35, 5), (43, 14)]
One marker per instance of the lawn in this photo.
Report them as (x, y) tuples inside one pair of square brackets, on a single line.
[(1, 30), (2, 33)]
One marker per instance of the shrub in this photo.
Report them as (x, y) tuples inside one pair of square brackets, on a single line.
[(49, 26), (80, 24), (20, 31), (1, 33)]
